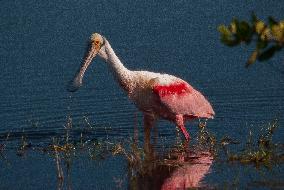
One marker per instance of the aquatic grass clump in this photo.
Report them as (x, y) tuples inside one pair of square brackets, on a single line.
[(260, 151), (134, 154), (206, 140), (24, 145)]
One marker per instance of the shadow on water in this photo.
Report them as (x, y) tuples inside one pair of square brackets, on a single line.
[(170, 164)]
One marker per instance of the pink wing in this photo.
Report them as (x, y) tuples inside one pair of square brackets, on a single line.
[(181, 98)]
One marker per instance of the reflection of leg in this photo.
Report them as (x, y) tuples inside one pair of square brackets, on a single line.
[(180, 124), (149, 121)]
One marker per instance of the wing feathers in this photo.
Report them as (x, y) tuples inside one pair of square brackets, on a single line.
[(181, 98)]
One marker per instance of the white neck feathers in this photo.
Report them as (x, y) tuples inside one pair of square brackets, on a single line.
[(120, 72)]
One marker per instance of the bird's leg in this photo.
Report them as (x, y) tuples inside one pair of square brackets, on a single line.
[(180, 124), (156, 134), (149, 121)]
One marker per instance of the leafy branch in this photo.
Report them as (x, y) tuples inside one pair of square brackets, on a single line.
[(269, 37)]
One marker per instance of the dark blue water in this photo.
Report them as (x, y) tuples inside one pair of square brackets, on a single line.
[(42, 45)]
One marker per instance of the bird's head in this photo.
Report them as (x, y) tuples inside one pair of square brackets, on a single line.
[(96, 46), (96, 43)]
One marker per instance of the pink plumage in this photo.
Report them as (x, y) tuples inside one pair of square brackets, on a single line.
[(174, 88), (181, 98)]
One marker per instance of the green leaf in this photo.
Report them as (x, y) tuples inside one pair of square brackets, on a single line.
[(229, 41), (281, 24), (227, 37), (267, 54), (266, 34), (233, 27), (224, 30), (259, 26), (277, 32), (244, 31), (261, 44), (272, 21)]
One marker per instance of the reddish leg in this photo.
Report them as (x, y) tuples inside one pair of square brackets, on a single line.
[(180, 123)]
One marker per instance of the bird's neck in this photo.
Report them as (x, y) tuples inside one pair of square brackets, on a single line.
[(120, 72)]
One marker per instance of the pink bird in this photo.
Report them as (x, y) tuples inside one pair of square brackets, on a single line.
[(158, 96)]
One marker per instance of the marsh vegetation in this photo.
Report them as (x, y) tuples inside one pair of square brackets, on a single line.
[(165, 163)]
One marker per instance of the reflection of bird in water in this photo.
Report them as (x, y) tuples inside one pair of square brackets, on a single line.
[(156, 95), (191, 174), (177, 169)]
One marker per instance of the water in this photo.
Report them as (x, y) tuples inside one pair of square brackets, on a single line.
[(42, 45)]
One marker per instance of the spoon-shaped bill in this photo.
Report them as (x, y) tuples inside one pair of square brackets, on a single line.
[(76, 82)]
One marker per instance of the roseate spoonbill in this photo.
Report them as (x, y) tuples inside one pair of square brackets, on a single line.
[(156, 95)]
